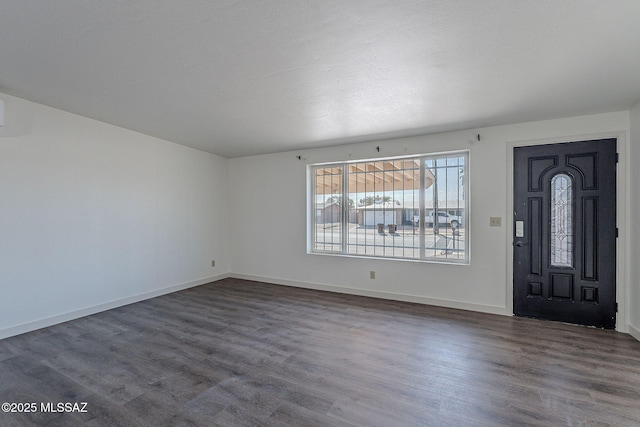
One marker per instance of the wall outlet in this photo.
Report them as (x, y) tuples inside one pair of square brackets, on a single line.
[(372, 274), (495, 221), (213, 263)]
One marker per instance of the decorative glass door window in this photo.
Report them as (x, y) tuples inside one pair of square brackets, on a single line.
[(562, 221)]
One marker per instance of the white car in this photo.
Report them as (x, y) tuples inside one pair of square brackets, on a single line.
[(444, 219)]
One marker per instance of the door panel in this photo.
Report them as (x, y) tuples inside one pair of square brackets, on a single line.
[(564, 255)]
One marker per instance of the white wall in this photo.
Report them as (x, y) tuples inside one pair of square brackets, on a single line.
[(634, 223), (93, 216), (268, 201)]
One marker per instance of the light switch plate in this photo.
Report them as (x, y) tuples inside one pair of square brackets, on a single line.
[(495, 221)]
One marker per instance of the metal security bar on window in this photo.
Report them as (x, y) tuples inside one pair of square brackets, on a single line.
[(445, 209), (408, 208), (328, 210)]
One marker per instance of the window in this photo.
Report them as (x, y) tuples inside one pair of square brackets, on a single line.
[(406, 208), (561, 221)]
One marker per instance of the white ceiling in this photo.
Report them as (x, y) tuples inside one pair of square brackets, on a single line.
[(244, 77)]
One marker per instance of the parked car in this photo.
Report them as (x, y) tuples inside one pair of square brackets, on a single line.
[(444, 219)]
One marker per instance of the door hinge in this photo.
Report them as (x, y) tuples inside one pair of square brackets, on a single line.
[(617, 157), (616, 307), (616, 232)]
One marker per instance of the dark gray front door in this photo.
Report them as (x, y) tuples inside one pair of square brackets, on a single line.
[(565, 232)]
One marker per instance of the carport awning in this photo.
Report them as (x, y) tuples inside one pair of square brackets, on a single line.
[(388, 175)]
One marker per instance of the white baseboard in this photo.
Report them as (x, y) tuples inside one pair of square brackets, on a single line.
[(379, 294), (50, 321), (634, 332)]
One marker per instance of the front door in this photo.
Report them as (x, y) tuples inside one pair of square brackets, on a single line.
[(564, 233)]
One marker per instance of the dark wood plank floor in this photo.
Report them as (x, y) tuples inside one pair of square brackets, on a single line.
[(244, 353)]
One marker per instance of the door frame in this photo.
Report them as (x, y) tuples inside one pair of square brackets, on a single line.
[(623, 248)]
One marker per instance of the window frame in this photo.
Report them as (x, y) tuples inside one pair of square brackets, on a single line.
[(312, 201)]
